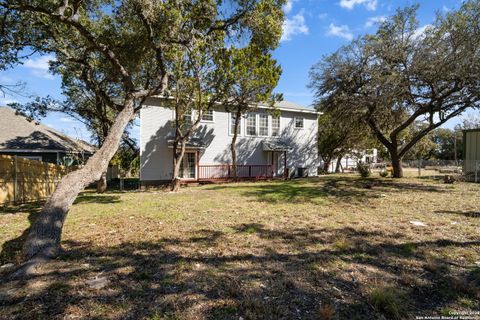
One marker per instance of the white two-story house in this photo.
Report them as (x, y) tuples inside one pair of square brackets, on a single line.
[(268, 146)]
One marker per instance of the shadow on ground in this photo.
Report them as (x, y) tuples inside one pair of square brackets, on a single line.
[(316, 190), (11, 250), (468, 214), (304, 273)]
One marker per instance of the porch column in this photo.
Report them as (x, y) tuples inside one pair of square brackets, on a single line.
[(197, 158), (285, 164), (273, 164)]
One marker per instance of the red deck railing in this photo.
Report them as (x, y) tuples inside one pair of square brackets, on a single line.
[(210, 172)]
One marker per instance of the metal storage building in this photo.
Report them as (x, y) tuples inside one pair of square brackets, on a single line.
[(471, 154)]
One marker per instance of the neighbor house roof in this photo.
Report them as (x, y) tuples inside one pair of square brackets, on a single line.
[(17, 133)]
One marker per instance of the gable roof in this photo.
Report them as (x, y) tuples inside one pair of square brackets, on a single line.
[(19, 133)]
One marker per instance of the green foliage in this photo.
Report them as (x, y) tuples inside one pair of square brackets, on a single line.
[(364, 169), (397, 78), (390, 301), (383, 173), (128, 161), (338, 135)]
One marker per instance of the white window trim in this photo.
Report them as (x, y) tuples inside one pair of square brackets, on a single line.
[(295, 123), (258, 125), (271, 126), (240, 134), (209, 121)]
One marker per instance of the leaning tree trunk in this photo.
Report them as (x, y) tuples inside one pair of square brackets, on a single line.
[(43, 240), (177, 163), (102, 183), (397, 165), (233, 147), (326, 165), (339, 164)]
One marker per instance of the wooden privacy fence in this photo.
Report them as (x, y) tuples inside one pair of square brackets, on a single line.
[(23, 180)]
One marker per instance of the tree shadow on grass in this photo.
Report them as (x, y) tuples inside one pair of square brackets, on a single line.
[(468, 214), (11, 249), (290, 274), (323, 189), (96, 198)]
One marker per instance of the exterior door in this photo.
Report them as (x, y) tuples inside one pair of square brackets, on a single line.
[(188, 169), (277, 164)]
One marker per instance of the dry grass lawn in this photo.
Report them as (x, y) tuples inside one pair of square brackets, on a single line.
[(336, 247)]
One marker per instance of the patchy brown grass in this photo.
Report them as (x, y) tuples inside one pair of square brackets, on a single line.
[(336, 247)]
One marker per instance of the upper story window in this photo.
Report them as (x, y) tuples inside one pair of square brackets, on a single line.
[(275, 126), (251, 124), (187, 118), (298, 122), (263, 124), (233, 117), (207, 115)]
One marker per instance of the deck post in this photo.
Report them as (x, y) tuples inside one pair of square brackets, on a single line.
[(273, 163), (197, 156)]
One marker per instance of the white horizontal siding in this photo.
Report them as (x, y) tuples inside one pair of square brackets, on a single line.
[(156, 157)]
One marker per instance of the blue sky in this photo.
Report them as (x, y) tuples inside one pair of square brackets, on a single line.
[(313, 28)]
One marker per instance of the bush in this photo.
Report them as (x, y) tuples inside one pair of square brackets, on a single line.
[(383, 173), (364, 169), (390, 301)]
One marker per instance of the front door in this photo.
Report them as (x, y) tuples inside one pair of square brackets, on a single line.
[(188, 169)]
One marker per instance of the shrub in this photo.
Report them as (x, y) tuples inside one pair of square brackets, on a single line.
[(364, 169), (383, 173), (390, 301)]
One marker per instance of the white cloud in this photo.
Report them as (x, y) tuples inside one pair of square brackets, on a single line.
[(350, 4), (4, 100), (293, 26), (445, 8), (421, 31), (288, 6), (322, 16), (374, 21), (40, 66), (342, 31)]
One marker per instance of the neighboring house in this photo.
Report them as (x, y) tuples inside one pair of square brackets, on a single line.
[(30, 139), (471, 154), (267, 146), (350, 161)]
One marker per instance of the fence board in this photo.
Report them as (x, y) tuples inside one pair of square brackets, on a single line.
[(24, 180)]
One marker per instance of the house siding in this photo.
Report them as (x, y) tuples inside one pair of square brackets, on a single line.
[(156, 157)]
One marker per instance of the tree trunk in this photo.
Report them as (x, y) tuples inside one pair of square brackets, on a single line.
[(233, 148), (43, 241), (177, 163), (339, 164), (326, 165), (396, 165), (102, 183)]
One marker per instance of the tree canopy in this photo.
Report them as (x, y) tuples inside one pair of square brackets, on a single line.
[(402, 75), (123, 52)]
